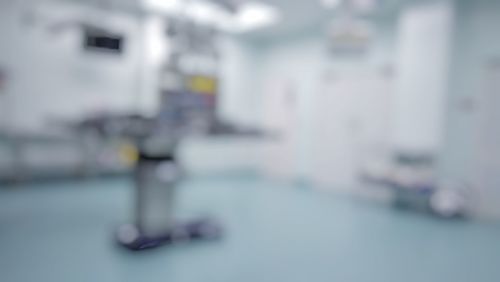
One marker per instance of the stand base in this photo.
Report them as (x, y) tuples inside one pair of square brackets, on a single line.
[(130, 236)]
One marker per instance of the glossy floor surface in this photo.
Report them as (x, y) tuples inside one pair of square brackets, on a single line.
[(64, 232)]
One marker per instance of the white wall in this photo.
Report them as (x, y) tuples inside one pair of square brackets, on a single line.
[(239, 98), (449, 54), (424, 34), (51, 76), (299, 101), (288, 77), (469, 157)]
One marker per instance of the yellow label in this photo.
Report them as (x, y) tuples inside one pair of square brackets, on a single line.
[(202, 84), (129, 153)]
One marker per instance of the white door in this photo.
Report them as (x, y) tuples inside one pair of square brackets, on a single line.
[(280, 158), (352, 125)]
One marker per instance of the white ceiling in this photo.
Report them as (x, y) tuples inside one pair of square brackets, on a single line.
[(296, 15), (304, 15)]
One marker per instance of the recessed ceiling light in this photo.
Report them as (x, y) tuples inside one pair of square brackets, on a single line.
[(254, 15), (163, 6), (203, 12), (249, 16)]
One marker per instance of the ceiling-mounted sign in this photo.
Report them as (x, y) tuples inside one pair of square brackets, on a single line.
[(349, 36)]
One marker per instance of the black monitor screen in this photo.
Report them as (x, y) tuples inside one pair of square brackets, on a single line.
[(103, 41)]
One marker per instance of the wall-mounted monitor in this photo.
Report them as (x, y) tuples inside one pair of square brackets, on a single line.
[(102, 41)]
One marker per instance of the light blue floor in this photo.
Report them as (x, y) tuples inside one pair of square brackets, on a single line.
[(63, 232)]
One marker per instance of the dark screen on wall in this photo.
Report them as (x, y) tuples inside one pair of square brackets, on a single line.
[(102, 41)]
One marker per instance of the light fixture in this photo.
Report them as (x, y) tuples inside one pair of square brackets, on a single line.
[(254, 15), (249, 16), (203, 12), (163, 6)]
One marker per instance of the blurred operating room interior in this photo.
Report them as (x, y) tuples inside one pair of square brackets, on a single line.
[(250, 140)]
